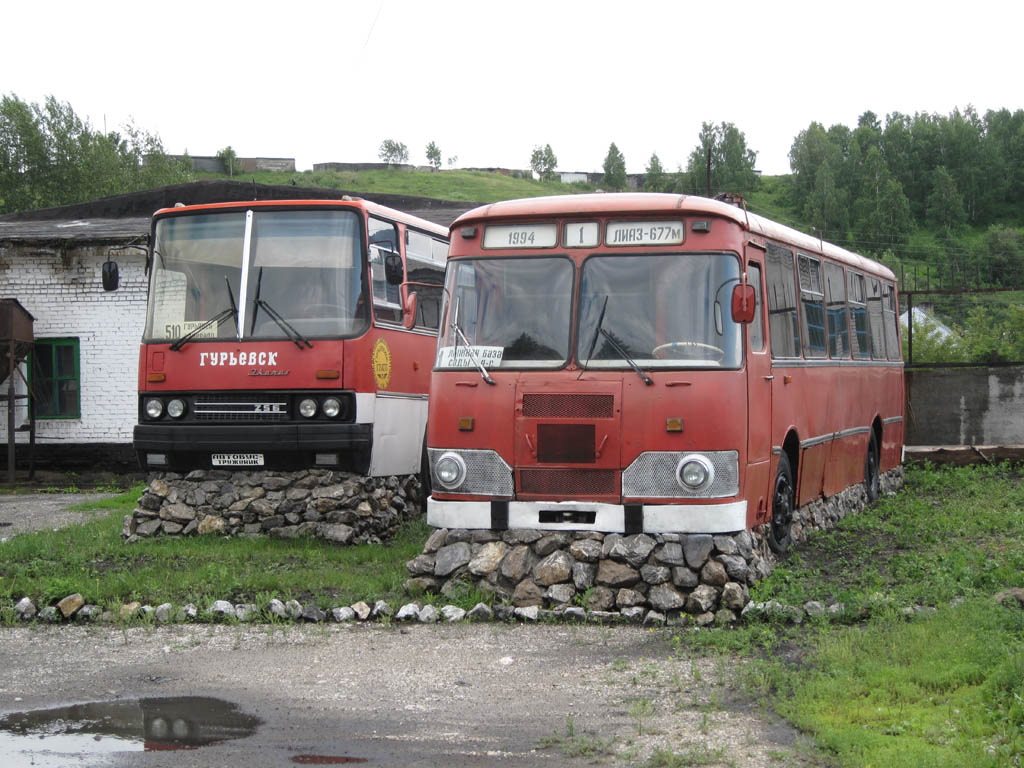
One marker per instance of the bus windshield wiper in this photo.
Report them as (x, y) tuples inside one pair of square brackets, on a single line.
[(469, 349), (600, 331), (597, 335), (293, 335), (232, 311)]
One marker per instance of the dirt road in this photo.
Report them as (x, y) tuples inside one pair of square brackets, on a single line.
[(457, 695)]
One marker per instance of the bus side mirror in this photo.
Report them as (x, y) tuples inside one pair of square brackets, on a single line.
[(744, 302), (110, 275), (393, 268), (409, 301)]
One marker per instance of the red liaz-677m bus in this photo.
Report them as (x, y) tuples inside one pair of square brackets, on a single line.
[(658, 363), (277, 336)]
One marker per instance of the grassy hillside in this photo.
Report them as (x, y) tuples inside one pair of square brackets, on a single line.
[(472, 186)]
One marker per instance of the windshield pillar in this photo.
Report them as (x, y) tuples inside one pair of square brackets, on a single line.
[(244, 288)]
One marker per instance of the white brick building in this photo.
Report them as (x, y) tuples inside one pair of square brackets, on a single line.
[(86, 389)]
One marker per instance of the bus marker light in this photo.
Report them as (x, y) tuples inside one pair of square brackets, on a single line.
[(468, 232), (328, 374), (787, 379), (466, 424), (156, 378), (701, 225), (673, 425)]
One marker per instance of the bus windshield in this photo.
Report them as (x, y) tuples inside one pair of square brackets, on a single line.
[(303, 267), (661, 311), (507, 313)]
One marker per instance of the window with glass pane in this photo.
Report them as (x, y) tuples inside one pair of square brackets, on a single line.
[(508, 313), (425, 261), (892, 338), (875, 319), (756, 331), (661, 311), (835, 309), (386, 297), (55, 379), (813, 315), (783, 328), (861, 339)]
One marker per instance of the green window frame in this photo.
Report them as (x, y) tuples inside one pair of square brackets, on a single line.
[(55, 379)]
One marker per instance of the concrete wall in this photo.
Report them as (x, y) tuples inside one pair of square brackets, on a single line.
[(965, 406)]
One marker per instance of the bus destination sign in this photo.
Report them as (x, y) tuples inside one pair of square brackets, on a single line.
[(644, 233), (521, 236)]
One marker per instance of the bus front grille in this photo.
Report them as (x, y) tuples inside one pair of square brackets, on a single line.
[(569, 482), (244, 407)]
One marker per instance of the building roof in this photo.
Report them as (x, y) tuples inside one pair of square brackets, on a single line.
[(126, 218)]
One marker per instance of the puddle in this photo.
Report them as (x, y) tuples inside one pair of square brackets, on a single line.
[(52, 737)]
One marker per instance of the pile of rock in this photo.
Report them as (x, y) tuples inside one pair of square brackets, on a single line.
[(341, 507), (705, 575)]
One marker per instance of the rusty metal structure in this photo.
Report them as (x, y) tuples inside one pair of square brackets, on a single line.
[(16, 341)]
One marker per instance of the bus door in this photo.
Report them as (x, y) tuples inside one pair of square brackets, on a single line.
[(759, 406)]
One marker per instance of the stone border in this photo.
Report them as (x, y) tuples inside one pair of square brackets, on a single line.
[(341, 507), (701, 574)]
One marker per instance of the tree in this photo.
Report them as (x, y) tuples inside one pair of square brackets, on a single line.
[(655, 178), (543, 162), (614, 169), (49, 157), (731, 162), (228, 157), (452, 161), (392, 152), (434, 156), (945, 204)]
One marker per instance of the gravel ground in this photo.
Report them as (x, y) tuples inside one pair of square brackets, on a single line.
[(457, 695), (20, 513)]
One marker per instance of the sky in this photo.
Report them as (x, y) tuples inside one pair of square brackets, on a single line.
[(489, 81)]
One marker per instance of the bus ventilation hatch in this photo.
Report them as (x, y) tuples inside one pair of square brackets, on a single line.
[(547, 405)]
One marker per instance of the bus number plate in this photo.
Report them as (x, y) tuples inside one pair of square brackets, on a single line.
[(237, 459)]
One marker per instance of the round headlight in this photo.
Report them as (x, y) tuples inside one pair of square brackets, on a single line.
[(331, 407), (176, 408), (158, 728), (154, 408), (308, 407), (450, 470), (694, 472)]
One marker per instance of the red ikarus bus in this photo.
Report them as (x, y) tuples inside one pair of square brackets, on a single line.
[(657, 363), (277, 336)]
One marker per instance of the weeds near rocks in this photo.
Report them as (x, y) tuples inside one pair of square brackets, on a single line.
[(573, 744), (640, 710), (694, 756)]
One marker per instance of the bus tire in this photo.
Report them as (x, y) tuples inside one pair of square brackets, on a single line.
[(780, 528), (425, 475), (871, 469)]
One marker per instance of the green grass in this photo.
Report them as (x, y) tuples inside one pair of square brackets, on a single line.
[(471, 186), (945, 689), (92, 559)]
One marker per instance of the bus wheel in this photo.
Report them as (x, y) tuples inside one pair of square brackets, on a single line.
[(871, 469), (780, 528), (425, 476)]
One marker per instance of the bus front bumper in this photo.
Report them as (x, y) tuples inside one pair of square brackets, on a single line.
[(281, 446), (587, 516)]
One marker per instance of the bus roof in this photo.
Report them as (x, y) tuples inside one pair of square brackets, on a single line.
[(637, 203), (344, 202)]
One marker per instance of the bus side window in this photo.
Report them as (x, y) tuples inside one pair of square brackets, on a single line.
[(835, 310), (425, 264), (875, 319), (892, 338), (756, 332), (386, 297), (813, 314), (783, 327), (860, 341)]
